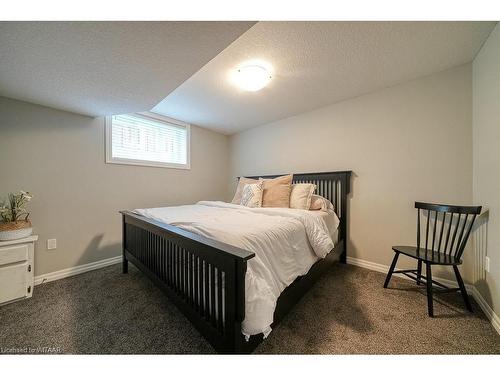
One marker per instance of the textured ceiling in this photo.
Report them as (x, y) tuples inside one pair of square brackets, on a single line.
[(319, 63), (101, 68)]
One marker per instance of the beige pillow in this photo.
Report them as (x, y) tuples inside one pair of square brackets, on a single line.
[(277, 191), (320, 203), (300, 196), (239, 190), (252, 195)]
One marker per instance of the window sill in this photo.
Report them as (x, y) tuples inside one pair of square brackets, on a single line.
[(143, 163)]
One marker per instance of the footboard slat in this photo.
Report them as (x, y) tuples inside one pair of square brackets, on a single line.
[(212, 296), (181, 271), (176, 265), (170, 262), (195, 281), (185, 282), (219, 300), (183, 275), (206, 298)]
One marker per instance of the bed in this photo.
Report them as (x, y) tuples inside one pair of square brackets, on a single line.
[(210, 281)]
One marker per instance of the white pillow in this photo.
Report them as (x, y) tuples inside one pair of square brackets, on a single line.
[(300, 196), (252, 195), (320, 203), (239, 190)]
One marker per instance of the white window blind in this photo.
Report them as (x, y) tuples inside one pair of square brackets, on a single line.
[(147, 140)]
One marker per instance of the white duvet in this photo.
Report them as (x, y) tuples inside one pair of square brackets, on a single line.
[(286, 243)]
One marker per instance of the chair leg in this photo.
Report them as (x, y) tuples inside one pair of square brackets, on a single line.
[(419, 271), (462, 289), (391, 270), (430, 304)]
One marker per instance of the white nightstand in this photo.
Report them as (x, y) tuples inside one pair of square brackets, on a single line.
[(17, 269)]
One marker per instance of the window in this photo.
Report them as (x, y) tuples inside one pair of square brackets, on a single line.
[(147, 139)]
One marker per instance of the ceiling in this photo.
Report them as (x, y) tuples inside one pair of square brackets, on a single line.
[(182, 68), (316, 64), (102, 68)]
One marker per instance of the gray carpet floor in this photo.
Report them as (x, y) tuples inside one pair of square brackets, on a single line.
[(346, 312)]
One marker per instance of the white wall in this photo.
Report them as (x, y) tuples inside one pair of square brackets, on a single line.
[(59, 156), (405, 143), (486, 141)]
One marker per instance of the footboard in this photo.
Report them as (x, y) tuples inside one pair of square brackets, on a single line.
[(203, 277)]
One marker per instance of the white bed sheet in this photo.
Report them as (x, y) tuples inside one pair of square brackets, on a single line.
[(331, 221), (286, 243)]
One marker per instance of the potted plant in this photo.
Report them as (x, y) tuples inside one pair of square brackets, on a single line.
[(14, 222)]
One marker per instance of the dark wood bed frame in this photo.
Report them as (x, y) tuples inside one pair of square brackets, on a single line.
[(205, 279)]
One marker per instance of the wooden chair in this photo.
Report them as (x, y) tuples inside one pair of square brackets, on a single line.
[(453, 233)]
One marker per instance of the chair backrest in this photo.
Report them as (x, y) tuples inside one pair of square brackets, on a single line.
[(449, 237)]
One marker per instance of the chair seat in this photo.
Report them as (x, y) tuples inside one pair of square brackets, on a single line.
[(426, 255)]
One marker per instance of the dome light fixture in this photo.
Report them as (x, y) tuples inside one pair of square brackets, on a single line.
[(252, 76)]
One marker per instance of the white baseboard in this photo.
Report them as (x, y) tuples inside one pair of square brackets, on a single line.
[(471, 289), (72, 271), (384, 269), (488, 311)]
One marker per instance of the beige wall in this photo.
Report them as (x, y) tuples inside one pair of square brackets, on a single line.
[(486, 188), (405, 143), (59, 156)]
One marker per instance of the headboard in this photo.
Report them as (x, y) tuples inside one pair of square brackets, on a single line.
[(330, 185), (334, 186)]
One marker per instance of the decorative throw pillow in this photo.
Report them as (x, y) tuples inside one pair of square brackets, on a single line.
[(320, 203), (239, 190), (277, 191), (252, 195), (300, 196)]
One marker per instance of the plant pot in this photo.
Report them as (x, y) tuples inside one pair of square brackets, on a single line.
[(14, 230)]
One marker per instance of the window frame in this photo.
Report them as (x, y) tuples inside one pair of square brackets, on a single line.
[(108, 120)]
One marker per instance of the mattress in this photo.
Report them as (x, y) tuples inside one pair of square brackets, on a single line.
[(286, 243)]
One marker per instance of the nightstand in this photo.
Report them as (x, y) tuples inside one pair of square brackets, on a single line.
[(17, 269)]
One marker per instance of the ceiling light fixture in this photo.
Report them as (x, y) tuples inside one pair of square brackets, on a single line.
[(252, 76)]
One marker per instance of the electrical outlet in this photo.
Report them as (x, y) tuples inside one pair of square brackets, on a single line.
[(51, 244), (487, 264)]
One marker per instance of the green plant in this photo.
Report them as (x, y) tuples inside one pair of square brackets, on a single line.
[(14, 210)]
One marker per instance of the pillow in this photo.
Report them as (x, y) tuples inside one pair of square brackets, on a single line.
[(320, 203), (300, 196), (239, 190), (277, 191), (252, 195)]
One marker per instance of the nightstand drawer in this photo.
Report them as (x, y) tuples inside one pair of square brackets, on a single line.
[(13, 282), (13, 254)]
